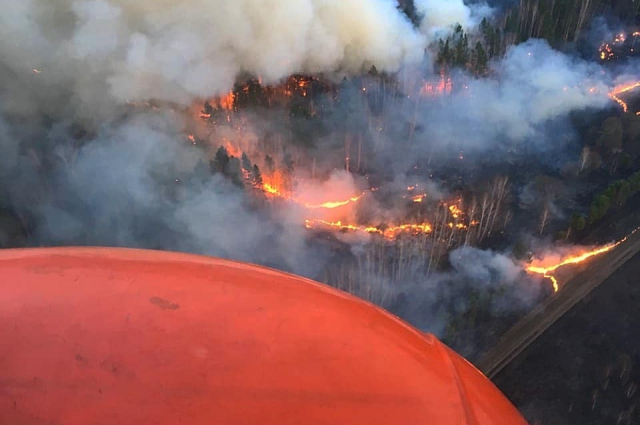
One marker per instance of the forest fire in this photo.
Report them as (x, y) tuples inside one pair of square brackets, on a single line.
[(448, 224), (278, 183), (622, 89), (546, 270)]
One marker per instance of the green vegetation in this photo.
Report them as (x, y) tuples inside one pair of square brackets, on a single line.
[(455, 50), (616, 195)]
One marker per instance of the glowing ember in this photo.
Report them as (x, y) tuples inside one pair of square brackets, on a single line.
[(616, 92), (546, 271), (418, 199)]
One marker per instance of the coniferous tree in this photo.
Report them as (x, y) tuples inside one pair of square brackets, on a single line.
[(481, 59), (444, 55), (461, 51), (246, 163), (234, 171), (220, 161), (257, 176), (270, 164)]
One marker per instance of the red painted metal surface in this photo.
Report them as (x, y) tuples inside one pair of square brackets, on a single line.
[(93, 336)]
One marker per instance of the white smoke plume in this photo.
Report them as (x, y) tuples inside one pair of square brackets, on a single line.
[(176, 51), (439, 16)]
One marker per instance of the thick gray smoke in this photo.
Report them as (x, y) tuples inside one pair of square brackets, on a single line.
[(479, 281), (81, 170), (80, 165)]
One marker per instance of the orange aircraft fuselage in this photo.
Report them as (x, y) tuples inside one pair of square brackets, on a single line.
[(96, 336)]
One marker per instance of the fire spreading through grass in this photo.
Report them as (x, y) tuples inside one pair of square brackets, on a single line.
[(622, 45), (546, 268), (621, 90), (389, 232)]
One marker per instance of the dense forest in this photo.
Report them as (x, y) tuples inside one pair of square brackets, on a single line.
[(557, 21)]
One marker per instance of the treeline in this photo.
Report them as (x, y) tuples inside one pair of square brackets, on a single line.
[(557, 21), (458, 51), (561, 21), (616, 195)]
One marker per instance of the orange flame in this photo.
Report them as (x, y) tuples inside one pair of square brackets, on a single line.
[(333, 204), (442, 87), (389, 233), (616, 92), (232, 150), (271, 190), (575, 259), (226, 102)]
